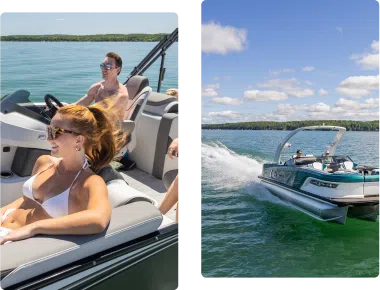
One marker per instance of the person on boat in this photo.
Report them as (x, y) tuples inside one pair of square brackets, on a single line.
[(327, 153), (109, 87), (171, 197), (172, 92), (298, 153), (64, 195)]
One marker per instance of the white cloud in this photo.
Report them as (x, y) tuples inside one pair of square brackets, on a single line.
[(308, 68), (339, 29), (367, 82), (265, 96), (60, 19), (372, 103), (227, 101), (323, 92), (300, 92), (222, 39), (316, 108), (347, 104), (309, 83), (288, 86), (279, 83), (285, 109), (226, 78), (375, 45), (222, 117), (210, 90), (283, 70), (368, 61), (225, 114), (353, 93), (358, 86)]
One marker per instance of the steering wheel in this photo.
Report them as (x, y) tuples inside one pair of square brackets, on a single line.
[(50, 112)]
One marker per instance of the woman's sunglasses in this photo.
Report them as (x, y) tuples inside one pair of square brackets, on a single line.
[(53, 132)]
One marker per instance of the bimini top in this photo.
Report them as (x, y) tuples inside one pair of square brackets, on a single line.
[(332, 147)]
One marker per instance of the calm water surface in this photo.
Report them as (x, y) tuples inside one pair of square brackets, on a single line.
[(247, 232), (67, 69)]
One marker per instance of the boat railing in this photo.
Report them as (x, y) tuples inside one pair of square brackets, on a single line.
[(158, 51)]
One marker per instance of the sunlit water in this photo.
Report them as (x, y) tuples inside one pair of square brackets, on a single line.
[(248, 232), (67, 69)]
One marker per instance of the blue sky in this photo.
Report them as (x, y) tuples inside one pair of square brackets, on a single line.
[(87, 23), (290, 60)]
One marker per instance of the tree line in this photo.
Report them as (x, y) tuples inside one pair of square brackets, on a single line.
[(292, 125), (98, 37)]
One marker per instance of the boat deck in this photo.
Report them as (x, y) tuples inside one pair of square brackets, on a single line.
[(149, 185)]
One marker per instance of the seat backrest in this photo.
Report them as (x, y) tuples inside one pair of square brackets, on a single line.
[(157, 128), (317, 165), (134, 116), (135, 85), (348, 165), (138, 105), (119, 192)]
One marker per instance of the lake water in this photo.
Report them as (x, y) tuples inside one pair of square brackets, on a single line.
[(67, 69), (248, 232)]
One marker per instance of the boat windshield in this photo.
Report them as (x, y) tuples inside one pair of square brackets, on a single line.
[(334, 159), (19, 102)]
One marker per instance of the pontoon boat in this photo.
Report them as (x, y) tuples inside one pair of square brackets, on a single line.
[(139, 248), (328, 188)]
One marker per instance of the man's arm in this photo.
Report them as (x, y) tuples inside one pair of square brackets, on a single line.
[(89, 97)]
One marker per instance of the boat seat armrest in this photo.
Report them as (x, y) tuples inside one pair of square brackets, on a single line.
[(32, 257), (128, 126)]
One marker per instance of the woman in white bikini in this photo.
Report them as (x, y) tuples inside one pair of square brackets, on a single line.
[(64, 195)]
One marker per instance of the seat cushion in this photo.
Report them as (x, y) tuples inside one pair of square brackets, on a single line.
[(120, 193)]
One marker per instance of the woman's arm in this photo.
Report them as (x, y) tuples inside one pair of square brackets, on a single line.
[(15, 204), (90, 221)]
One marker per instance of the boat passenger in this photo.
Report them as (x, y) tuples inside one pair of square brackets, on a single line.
[(298, 153), (110, 87), (64, 196), (327, 153), (171, 197), (172, 92)]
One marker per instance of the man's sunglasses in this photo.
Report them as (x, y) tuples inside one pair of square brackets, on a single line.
[(106, 66), (53, 132)]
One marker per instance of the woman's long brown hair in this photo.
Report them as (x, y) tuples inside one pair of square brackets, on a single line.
[(103, 137)]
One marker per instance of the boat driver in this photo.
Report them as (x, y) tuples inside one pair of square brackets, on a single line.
[(109, 87)]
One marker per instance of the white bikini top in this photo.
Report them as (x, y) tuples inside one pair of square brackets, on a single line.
[(55, 206)]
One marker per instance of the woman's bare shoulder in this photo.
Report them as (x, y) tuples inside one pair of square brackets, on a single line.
[(92, 181), (43, 161)]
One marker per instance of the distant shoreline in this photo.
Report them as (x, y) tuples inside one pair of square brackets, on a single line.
[(85, 38), (370, 126)]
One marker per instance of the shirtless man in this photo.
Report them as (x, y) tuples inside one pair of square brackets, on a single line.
[(109, 87)]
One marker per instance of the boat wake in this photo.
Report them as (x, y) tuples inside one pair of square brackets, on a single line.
[(224, 169)]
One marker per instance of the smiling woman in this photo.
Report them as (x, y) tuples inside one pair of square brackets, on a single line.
[(65, 196)]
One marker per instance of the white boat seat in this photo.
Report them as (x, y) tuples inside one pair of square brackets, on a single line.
[(133, 117), (317, 165), (119, 192), (158, 127), (28, 258), (348, 165)]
